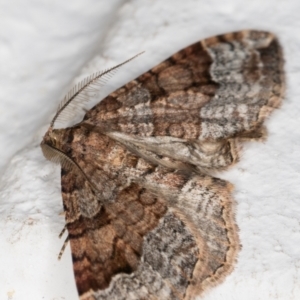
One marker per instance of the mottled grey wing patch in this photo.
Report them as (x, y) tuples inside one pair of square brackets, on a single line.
[(170, 253)]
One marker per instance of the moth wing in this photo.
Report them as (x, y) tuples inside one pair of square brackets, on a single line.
[(201, 101), (152, 245)]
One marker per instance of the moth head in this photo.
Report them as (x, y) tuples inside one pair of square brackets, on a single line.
[(51, 145), (52, 149)]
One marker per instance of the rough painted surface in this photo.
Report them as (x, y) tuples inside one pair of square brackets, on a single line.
[(39, 57)]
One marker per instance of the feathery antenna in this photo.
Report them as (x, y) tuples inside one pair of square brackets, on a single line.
[(90, 84)]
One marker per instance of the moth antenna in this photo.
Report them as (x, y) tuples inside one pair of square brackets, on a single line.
[(88, 84), (57, 156)]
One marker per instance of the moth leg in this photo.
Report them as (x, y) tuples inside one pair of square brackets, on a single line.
[(62, 213), (63, 247), (63, 231)]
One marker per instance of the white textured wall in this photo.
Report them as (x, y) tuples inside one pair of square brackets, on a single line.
[(45, 44)]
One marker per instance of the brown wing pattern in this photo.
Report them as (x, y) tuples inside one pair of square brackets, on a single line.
[(170, 232), (165, 236), (111, 241), (201, 101), (145, 218), (225, 80)]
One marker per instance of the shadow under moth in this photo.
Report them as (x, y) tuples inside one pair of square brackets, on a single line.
[(146, 218)]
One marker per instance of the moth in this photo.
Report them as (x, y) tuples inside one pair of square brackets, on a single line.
[(147, 218)]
